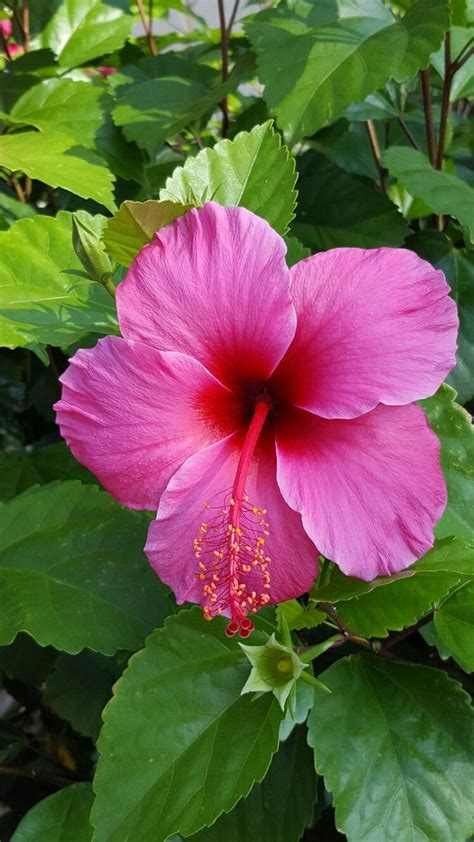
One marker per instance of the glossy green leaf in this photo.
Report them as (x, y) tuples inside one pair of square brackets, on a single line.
[(347, 145), (454, 623), (334, 586), (337, 209), (54, 158), (278, 809), (333, 54), (40, 302), (298, 616), (73, 108), (397, 605), (253, 171), (372, 608), (179, 743), (449, 556), (21, 469), (395, 744), (442, 192), (295, 251), (80, 30), (452, 424), (406, 599), (79, 688), (63, 817), (13, 86), (73, 573), (135, 224), (165, 66), (150, 111)]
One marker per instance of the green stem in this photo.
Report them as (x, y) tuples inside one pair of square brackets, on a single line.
[(109, 286)]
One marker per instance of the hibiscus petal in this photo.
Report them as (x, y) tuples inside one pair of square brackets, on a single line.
[(370, 489), (197, 493), (133, 414), (213, 284), (374, 326)]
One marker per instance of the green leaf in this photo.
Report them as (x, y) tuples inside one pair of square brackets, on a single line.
[(79, 688), (449, 556), (295, 251), (442, 192), (397, 605), (347, 145), (333, 54), (150, 111), (40, 302), (135, 224), (73, 108), (179, 743), (406, 599), (63, 816), (73, 573), (297, 616), (53, 158), (81, 30), (20, 470), (395, 744), (454, 623), (452, 424), (372, 608), (333, 586), (278, 809), (167, 65), (12, 209), (337, 209), (253, 171)]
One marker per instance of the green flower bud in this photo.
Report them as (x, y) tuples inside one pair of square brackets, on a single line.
[(90, 249)]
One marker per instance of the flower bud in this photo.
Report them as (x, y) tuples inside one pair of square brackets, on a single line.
[(90, 249)]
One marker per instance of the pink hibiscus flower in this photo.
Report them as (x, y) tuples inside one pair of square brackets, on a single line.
[(266, 412), (6, 28), (6, 31), (106, 71)]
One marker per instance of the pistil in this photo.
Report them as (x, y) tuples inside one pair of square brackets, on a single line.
[(231, 554)]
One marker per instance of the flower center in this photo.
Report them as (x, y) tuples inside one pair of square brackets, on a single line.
[(230, 549)]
